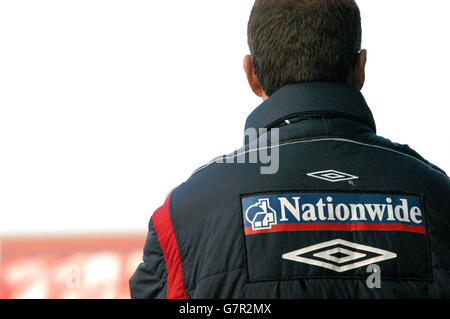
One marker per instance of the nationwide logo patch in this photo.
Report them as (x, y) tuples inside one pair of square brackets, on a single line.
[(332, 211)]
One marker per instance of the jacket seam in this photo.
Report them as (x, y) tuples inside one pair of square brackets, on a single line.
[(317, 139), (217, 274)]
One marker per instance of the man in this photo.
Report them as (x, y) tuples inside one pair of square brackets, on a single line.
[(339, 213)]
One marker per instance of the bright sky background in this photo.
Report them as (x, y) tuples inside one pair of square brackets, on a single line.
[(106, 105)]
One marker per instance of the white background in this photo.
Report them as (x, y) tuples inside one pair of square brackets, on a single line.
[(105, 106)]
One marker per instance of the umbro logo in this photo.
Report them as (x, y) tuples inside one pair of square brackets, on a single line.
[(332, 176), (339, 255)]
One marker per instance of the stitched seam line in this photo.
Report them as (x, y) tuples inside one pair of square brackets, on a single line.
[(308, 141)]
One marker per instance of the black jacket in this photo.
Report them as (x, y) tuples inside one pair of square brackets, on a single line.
[(343, 214)]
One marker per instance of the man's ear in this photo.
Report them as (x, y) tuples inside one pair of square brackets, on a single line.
[(252, 78), (358, 75)]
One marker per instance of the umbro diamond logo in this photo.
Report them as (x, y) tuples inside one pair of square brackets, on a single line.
[(332, 176), (339, 255)]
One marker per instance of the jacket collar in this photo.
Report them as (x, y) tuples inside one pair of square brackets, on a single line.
[(311, 100)]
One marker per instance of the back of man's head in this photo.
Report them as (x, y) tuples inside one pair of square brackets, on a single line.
[(294, 41)]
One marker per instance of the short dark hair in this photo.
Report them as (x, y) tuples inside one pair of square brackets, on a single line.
[(294, 41)]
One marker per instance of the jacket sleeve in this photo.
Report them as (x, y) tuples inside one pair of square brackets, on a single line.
[(160, 274), (149, 281)]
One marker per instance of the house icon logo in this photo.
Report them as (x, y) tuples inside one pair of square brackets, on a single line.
[(261, 215)]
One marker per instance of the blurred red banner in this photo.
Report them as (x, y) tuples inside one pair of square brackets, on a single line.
[(62, 267)]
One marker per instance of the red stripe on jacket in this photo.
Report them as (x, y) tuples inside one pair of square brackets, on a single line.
[(338, 226), (166, 236)]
